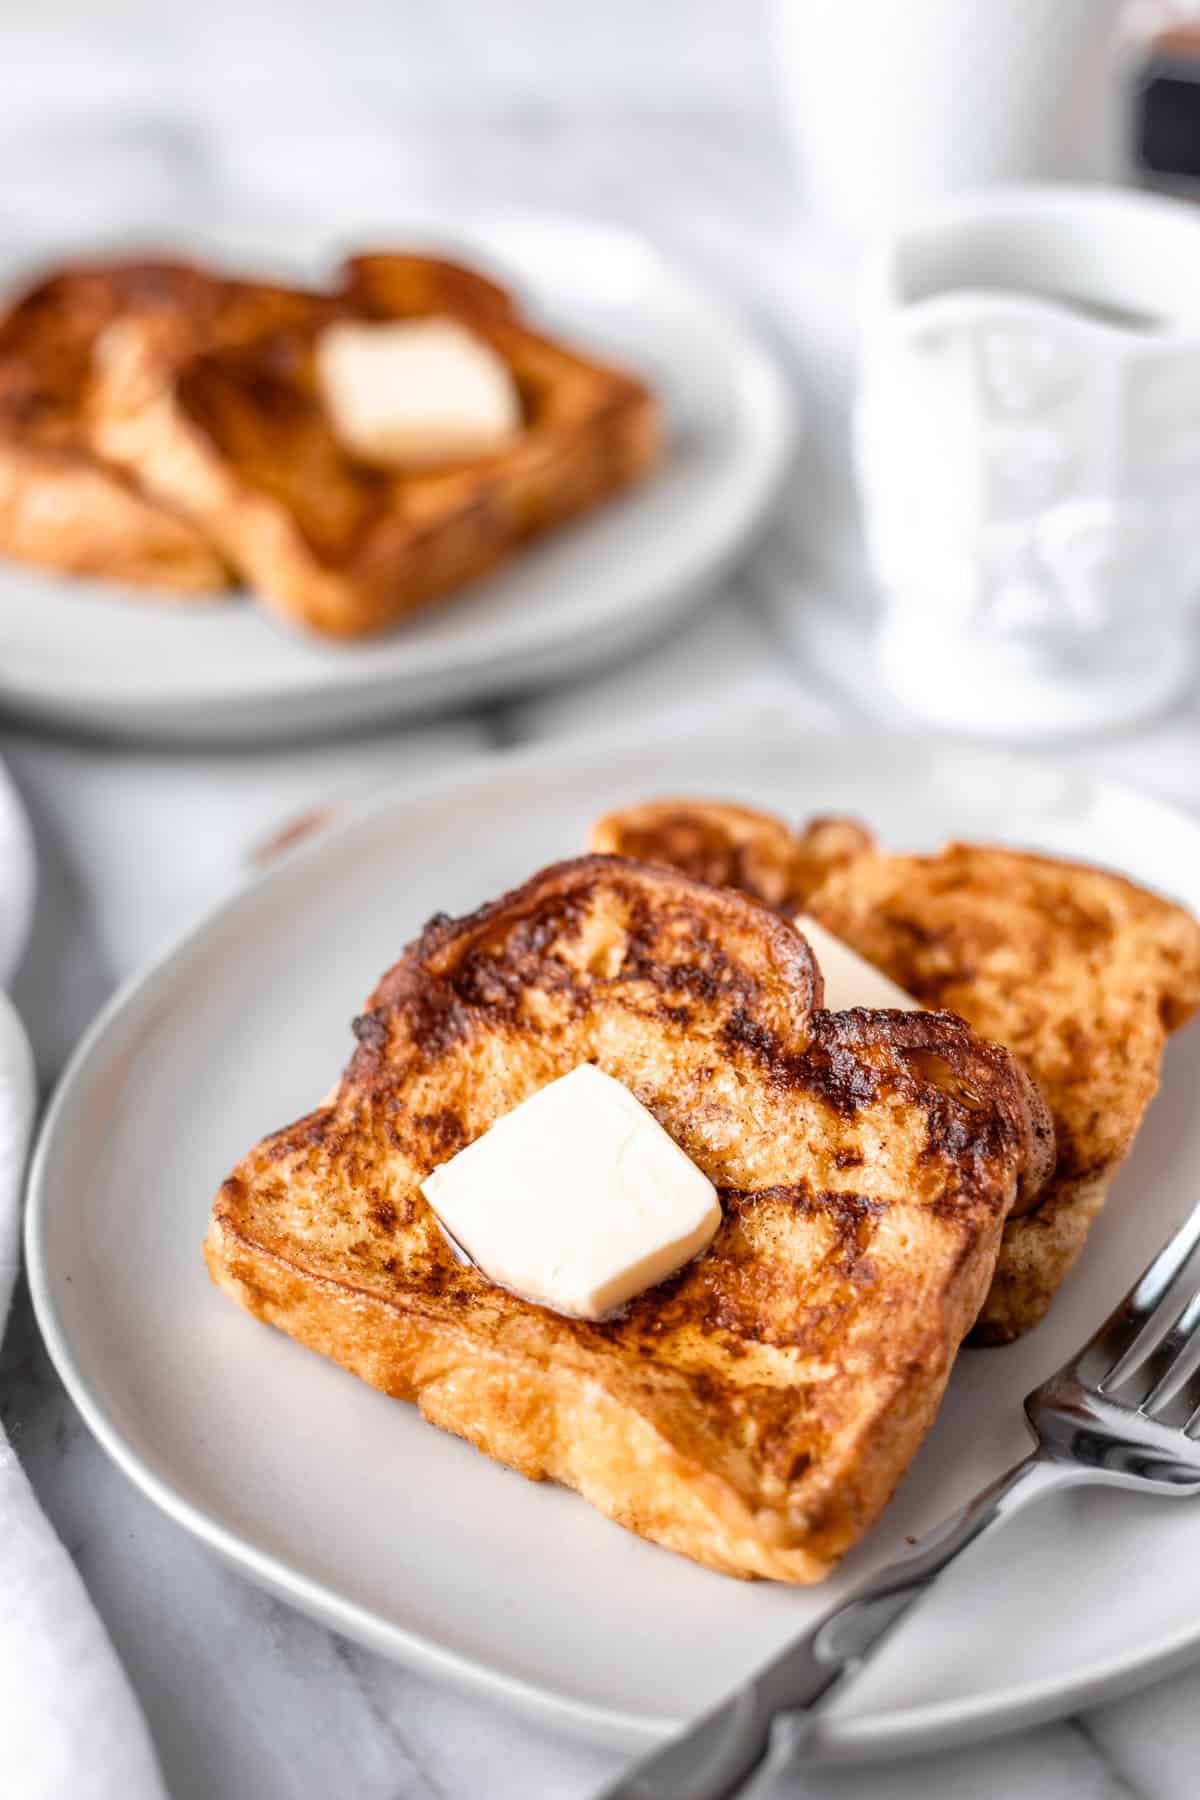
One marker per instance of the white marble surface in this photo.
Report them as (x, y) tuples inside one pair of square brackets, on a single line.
[(243, 1696)]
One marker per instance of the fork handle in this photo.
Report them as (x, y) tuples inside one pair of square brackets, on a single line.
[(716, 1756)]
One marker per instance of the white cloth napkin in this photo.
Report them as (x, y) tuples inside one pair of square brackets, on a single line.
[(69, 1724)]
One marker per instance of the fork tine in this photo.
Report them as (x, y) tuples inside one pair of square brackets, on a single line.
[(1182, 1410), (1129, 1332), (1155, 1378)]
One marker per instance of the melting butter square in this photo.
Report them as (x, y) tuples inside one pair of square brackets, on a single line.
[(577, 1199)]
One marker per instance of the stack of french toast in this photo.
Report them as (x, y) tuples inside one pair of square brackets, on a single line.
[(891, 1178), (176, 428)]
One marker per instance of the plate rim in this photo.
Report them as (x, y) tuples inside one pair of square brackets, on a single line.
[(500, 659), (901, 1731)]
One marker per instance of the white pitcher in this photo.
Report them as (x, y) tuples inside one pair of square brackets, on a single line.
[(1028, 447)]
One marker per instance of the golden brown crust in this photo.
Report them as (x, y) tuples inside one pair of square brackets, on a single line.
[(733, 846), (729, 846), (62, 509), (823, 846), (62, 505), (756, 1411), (1079, 972), (1037, 1253), (395, 284), (236, 435), (160, 423)]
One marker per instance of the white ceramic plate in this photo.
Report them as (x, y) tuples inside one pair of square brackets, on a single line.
[(348, 1505), (110, 660), (18, 877)]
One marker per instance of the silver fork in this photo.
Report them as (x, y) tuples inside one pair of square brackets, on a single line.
[(1124, 1410)]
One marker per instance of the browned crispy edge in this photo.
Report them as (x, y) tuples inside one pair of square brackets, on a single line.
[(378, 1339)]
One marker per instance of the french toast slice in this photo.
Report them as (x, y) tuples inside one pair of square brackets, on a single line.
[(61, 503), (1080, 972), (755, 1411), (237, 437)]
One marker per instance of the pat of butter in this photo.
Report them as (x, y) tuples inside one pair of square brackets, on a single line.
[(413, 391), (849, 979), (577, 1199)]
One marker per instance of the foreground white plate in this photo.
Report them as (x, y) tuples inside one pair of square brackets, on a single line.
[(108, 659), (17, 876), (347, 1504)]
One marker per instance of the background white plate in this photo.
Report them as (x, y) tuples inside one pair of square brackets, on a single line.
[(347, 1504), (86, 654)]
